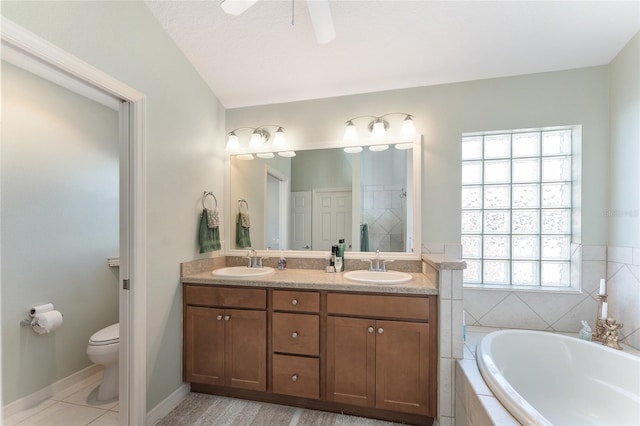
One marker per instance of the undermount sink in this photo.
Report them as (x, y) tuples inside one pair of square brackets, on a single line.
[(242, 272), (373, 277)]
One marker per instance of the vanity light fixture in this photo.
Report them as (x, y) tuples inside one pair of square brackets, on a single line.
[(259, 137), (353, 149), (378, 126), (265, 155)]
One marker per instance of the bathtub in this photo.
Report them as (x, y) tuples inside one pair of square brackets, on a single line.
[(551, 379)]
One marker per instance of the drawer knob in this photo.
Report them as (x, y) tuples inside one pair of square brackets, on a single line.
[(227, 317), (294, 378), (380, 330), (219, 317), (294, 334), (370, 329), (294, 302)]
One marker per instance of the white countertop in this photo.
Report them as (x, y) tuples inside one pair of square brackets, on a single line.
[(313, 279)]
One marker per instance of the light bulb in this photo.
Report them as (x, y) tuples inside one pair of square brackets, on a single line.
[(265, 155), (256, 139), (353, 149), (350, 132), (378, 130), (278, 139), (377, 148), (244, 157), (287, 154), (233, 144), (406, 145), (408, 129)]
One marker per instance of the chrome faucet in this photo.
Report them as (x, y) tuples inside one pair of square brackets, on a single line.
[(377, 259), (254, 260)]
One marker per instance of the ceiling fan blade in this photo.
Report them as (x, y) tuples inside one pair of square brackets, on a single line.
[(236, 7), (321, 20)]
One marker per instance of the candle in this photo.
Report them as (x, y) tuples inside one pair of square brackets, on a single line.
[(605, 308), (603, 287)]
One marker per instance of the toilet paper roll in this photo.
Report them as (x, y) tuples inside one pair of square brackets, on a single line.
[(41, 309), (47, 322)]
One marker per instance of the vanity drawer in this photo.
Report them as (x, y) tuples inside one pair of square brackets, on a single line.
[(296, 333), (299, 301), (225, 296), (377, 306), (296, 376)]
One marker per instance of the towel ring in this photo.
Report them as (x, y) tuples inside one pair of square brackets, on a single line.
[(204, 195), (243, 201)]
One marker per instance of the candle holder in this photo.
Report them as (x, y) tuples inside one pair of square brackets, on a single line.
[(599, 333)]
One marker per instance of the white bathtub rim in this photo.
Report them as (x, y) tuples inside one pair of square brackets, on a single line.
[(517, 405), (519, 408)]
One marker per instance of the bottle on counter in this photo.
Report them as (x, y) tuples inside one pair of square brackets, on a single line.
[(341, 249)]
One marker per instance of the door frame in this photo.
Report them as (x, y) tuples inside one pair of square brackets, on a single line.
[(132, 122)]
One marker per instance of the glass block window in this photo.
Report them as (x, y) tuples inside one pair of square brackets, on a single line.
[(516, 208)]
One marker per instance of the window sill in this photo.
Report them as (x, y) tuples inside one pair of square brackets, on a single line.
[(521, 288)]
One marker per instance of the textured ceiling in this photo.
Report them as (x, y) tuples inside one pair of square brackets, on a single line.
[(260, 58)]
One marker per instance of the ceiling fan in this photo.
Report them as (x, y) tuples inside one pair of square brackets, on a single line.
[(318, 11)]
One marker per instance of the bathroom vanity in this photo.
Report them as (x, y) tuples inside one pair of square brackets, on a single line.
[(311, 339)]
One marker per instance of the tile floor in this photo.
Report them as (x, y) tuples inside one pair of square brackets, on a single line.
[(74, 406)]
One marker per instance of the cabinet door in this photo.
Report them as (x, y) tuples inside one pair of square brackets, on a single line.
[(246, 349), (351, 361), (204, 345), (402, 367)]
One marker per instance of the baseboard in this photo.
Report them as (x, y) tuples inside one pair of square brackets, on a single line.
[(168, 404), (48, 391)]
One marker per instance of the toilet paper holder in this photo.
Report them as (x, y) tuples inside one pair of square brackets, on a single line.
[(32, 321)]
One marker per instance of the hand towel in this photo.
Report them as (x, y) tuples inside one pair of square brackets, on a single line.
[(209, 238), (246, 222), (243, 235), (364, 237), (213, 219)]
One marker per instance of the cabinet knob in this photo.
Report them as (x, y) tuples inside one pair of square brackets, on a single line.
[(227, 317), (380, 330), (294, 378), (294, 334), (219, 317), (370, 329), (294, 302)]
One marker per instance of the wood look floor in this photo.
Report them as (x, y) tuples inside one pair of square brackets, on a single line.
[(201, 409)]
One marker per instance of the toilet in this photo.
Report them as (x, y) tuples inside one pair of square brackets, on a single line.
[(103, 349)]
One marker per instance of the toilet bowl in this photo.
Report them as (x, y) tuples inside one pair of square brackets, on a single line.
[(103, 349)]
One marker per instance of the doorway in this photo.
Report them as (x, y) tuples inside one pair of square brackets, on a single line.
[(28, 51)]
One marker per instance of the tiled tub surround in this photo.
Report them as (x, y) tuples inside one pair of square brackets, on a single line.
[(562, 312), (623, 288), (441, 275), (475, 402)]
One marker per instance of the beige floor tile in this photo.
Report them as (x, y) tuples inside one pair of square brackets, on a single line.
[(63, 414), (110, 418), (115, 408), (88, 396), (25, 414), (93, 379)]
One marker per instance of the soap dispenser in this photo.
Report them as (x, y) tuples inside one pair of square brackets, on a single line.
[(341, 248), (282, 263)]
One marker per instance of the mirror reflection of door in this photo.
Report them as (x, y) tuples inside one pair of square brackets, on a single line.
[(300, 220), (332, 218), (276, 210)]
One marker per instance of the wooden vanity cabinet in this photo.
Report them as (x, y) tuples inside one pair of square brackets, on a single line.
[(295, 343), (225, 346), (385, 363), (367, 354)]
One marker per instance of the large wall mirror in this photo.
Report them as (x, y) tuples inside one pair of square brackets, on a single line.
[(306, 203)]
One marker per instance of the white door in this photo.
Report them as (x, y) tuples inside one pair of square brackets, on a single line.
[(331, 219), (300, 220)]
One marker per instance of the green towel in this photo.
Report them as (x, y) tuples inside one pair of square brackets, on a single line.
[(243, 235), (209, 238), (364, 237)]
